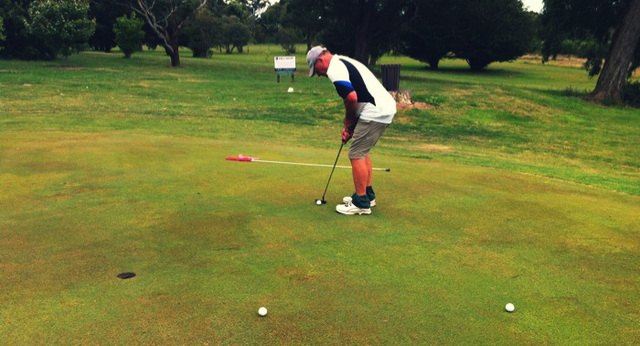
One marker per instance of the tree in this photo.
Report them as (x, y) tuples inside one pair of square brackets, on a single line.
[(616, 68), (491, 31), (236, 9), (287, 39), (167, 18), (203, 33), (271, 20), (429, 36), (481, 31), (255, 6), (62, 25), (612, 25), (2, 37), (17, 41), (104, 13), (305, 16), (364, 29), (236, 34), (128, 34)]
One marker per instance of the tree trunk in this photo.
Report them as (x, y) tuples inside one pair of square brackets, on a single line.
[(433, 63), (613, 76), (172, 52), (362, 36), (362, 48)]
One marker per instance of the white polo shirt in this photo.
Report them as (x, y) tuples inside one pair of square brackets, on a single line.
[(374, 101)]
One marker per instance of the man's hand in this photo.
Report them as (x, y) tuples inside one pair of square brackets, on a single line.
[(346, 135)]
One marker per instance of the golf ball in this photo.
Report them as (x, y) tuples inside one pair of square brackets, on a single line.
[(509, 307), (262, 311), (318, 202)]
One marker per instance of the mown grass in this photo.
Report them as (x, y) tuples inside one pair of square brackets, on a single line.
[(507, 191)]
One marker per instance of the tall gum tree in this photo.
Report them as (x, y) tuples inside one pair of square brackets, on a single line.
[(167, 18), (613, 76), (612, 26)]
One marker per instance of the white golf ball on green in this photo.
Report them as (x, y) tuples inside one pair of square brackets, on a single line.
[(318, 202), (509, 307), (262, 311)]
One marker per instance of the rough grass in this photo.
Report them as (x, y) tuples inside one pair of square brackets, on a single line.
[(506, 192)]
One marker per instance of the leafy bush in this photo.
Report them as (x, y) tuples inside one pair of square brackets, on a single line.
[(480, 32), (61, 27), (287, 39), (2, 37), (492, 31), (203, 33), (236, 34), (631, 94), (129, 34)]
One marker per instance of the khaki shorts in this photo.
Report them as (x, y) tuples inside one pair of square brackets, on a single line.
[(365, 136)]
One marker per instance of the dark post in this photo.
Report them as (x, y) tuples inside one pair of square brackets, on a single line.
[(391, 77)]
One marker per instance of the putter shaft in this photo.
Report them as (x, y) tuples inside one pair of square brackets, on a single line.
[(333, 169)]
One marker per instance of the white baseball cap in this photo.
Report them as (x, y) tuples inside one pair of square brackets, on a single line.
[(312, 56)]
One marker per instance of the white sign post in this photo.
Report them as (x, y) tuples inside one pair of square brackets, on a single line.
[(284, 66)]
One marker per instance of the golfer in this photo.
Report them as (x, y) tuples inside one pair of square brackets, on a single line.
[(369, 109)]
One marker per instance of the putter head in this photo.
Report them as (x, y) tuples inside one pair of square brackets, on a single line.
[(320, 202)]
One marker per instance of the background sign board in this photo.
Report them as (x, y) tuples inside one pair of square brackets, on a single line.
[(284, 63), (284, 66)]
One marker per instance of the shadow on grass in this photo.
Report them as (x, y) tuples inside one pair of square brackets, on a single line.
[(443, 75), (568, 92)]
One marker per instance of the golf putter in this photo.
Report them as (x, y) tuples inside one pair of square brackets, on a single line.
[(322, 201)]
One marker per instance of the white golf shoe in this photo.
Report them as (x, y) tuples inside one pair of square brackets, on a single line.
[(352, 209), (347, 200)]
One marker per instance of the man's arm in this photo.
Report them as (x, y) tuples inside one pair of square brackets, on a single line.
[(351, 107), (350, 116)]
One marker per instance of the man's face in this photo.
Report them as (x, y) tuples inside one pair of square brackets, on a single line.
[(322, 65)]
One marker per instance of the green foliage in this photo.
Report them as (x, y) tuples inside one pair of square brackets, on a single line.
[(2, 37), (481, 32), (287, 38), (631, 94), (429, 36), (61, 25), (202, 33), (105, 12), (271, 20), (364, 30), (491, 31), (18, 43), (588, 48), (581, 27), (166, 19), (129, 34), (305, 16), (236, 9), (236, 34)]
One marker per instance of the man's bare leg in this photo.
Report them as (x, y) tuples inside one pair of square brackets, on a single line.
[(370, 170), (361, 174)]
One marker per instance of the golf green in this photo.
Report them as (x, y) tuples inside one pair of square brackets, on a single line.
[(212, 240), (509, 188)]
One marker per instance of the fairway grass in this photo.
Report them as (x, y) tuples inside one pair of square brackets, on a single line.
[(507, 191)]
